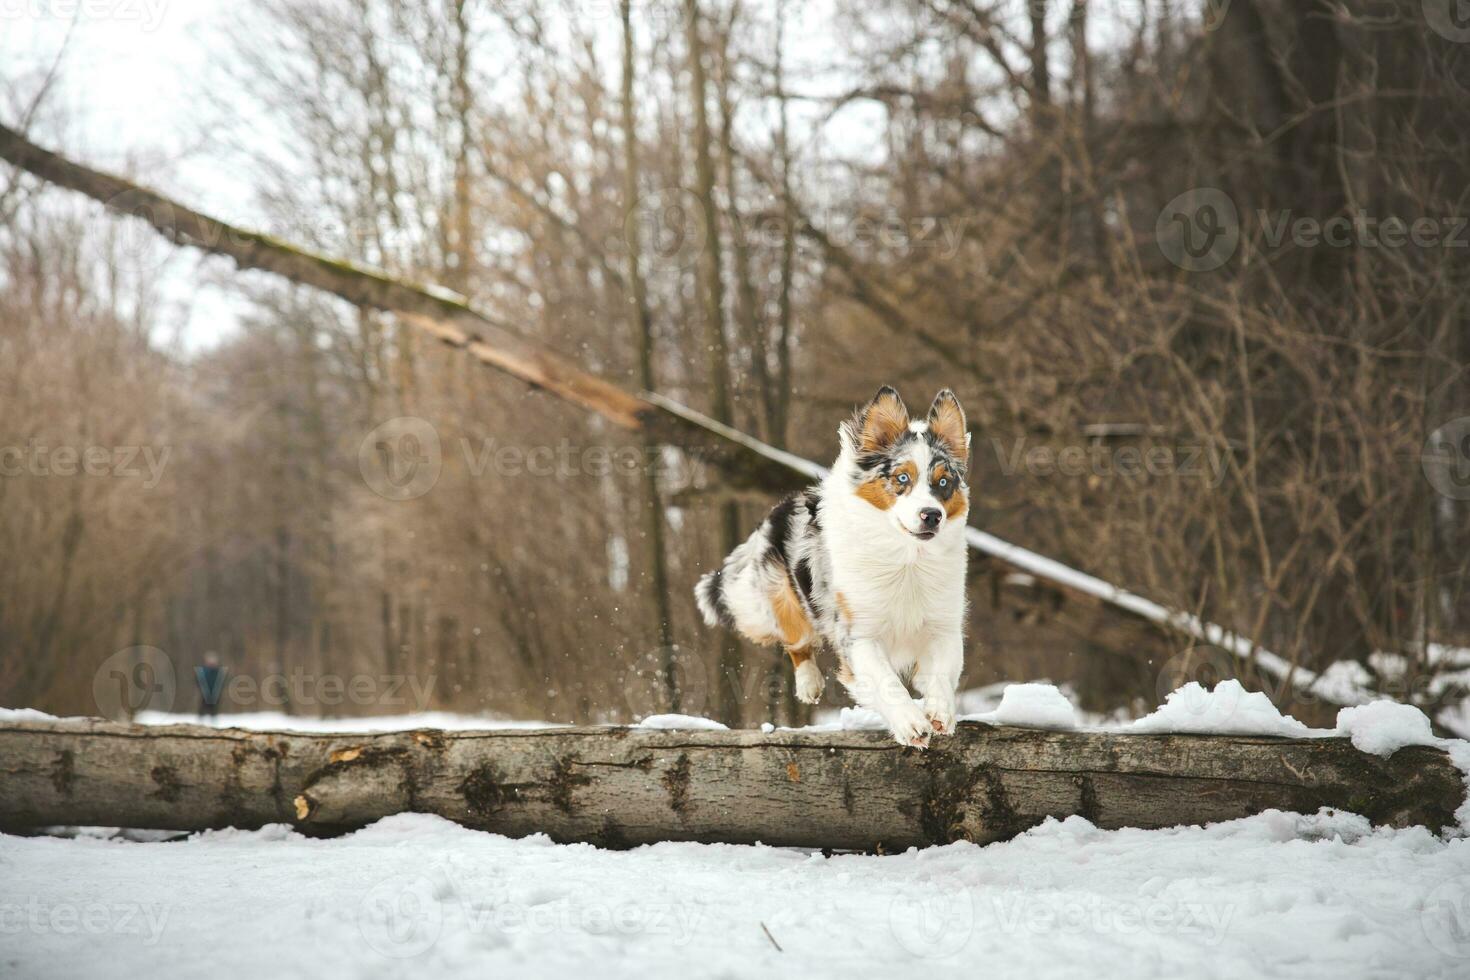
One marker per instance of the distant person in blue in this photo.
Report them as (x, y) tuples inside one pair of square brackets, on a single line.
[(211, 678)]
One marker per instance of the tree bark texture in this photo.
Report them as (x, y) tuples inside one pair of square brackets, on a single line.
[(621, 787)]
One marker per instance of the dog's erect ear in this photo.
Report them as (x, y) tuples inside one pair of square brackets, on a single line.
[(947, 421), (878, 424)]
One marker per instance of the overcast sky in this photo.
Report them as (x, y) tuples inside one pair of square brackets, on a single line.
[(128, 95), (131, 97)]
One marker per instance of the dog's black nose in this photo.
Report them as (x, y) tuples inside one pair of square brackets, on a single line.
[(930, 516)]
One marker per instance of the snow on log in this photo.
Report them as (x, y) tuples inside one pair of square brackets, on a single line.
[(620, 787)]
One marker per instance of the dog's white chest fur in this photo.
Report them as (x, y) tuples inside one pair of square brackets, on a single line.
[(898, 592)]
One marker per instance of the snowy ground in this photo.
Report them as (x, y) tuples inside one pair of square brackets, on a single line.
[(1274, 895), (1278, 894)]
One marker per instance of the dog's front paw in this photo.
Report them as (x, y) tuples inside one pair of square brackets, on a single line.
[(809, 682), (940, 712), (910, 727)]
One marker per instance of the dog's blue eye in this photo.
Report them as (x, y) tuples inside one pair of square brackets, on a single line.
[(944, 482), (903, 478)]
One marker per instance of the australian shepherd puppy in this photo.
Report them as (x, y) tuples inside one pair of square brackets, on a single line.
[(870, 563)]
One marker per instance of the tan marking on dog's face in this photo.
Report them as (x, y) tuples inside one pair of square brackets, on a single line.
[(956, 503), (791, 619), (883, 491), (877, 492), (884, 420), (955, 506)]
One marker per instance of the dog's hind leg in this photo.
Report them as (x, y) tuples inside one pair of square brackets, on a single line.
[(798, 637), (809, 679)]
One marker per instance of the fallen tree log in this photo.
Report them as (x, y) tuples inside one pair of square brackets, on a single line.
[(619, 787)]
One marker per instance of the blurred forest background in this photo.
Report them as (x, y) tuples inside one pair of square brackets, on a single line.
[(763, 211)]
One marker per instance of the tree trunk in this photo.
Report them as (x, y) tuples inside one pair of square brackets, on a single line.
[(620, 787), (642, 329), (711, 271)]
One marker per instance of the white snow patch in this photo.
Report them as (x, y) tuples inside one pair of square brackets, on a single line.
[(1384, 727), (1031, 706), (274, 721), (25, 714), (682, 721), (1227, 710)]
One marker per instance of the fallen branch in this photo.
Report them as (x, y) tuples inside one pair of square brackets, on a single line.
[(619, 787)]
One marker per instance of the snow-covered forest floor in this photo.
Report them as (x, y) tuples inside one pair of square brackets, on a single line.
[(1273, 895), (1279, 894)]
